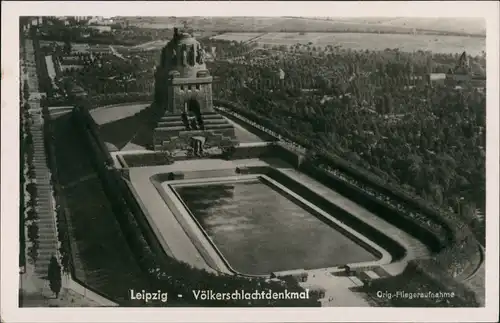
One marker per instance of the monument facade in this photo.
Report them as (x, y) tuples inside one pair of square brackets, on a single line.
[(183, 98)]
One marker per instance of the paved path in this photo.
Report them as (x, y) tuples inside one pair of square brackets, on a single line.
[(338, 291), (243, 135), (60, 108), (51, 69), (44, 204), (114, 52), (34, 286)]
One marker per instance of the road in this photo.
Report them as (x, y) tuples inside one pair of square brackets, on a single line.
[(114, 52)]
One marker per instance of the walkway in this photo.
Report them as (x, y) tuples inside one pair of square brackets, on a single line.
[(33, 284), (44, 204), (49, 61), (114, 52), (338, 291)]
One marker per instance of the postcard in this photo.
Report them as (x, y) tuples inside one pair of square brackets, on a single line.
[(249, 161)]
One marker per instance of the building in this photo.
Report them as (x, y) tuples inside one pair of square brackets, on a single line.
[(76, 90), (66, 19), (299, 275), (437, 78), (69, 62), (100, 28), (98, 20), (183, 98), (465, 75)]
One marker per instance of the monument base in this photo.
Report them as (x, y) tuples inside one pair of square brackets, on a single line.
[(173, 132)]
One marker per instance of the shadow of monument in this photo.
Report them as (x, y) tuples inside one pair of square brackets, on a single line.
[(137, 129)]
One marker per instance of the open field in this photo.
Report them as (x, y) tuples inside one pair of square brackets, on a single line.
[(470, 25), (315, 24), (443, 24), (370, 41), (204, 23)]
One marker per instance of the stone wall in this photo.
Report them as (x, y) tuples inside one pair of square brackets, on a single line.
[(201, 92), (221, 137)]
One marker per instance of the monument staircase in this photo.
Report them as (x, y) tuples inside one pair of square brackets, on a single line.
[(173, 132)]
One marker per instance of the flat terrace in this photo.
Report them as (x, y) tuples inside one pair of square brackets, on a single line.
[(177, 243), (125, 119)]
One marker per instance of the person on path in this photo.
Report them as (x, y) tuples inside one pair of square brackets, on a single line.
[(54, 276)]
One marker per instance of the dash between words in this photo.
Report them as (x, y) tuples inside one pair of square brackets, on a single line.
[(211, 295)]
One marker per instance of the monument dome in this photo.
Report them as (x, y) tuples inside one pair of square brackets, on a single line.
[(184, 57)]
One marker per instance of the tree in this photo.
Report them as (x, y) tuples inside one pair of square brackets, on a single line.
[(67, 46), (388, 103), (54, 275), (26, 91)]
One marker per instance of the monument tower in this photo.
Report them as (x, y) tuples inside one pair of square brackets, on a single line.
[(461, 74), (183, 97)]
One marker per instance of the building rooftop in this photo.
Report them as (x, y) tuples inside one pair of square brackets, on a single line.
[(437, 76)]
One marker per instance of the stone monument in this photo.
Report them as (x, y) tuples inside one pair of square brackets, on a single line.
[(183, 98)]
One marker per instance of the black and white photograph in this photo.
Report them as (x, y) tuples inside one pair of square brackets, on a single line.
[(195, 158)]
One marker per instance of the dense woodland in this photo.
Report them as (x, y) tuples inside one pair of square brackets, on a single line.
[(374, 110)]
